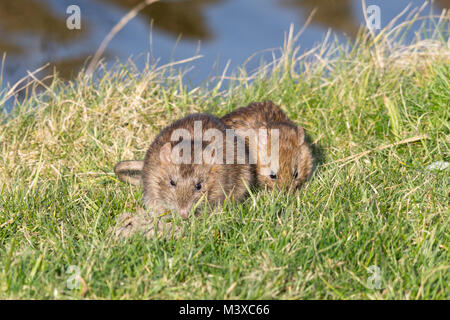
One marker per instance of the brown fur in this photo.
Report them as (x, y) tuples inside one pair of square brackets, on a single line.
[(295, 159), (255, 115), (218, 181)]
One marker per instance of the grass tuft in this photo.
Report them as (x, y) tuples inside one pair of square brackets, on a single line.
[(59, 198)]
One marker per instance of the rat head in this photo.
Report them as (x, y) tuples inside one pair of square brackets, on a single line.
[(185, 177), (284, 158)]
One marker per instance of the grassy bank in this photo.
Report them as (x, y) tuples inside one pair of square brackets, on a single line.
[(382, 208)]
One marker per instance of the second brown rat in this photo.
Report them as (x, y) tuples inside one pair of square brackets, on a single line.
[(295, 161)]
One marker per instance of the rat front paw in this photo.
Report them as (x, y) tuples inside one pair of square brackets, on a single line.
[(129, 224)]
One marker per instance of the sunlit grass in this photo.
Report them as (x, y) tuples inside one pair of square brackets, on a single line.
[(59, 199)]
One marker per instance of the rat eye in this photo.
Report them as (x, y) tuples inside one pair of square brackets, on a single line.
[(273, 176), (198, 186), (295, 174), (172, 183)]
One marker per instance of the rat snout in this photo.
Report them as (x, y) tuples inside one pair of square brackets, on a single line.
[(184, 203), (183, 213), (184, 210)]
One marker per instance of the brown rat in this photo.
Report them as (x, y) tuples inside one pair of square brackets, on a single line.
[(295, 161), (175, 181)]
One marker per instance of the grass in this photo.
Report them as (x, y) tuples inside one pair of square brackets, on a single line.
[(59, 200)]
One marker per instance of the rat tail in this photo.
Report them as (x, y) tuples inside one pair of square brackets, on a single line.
[(129, 171)]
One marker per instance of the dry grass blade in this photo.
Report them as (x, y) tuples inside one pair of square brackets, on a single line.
[(386, 146), (13, 90), (122, 23)]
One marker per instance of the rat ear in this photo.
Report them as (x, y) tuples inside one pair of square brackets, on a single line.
[(300, 135), (165, 153)]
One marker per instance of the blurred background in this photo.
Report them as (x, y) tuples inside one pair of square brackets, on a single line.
[(34, 32)]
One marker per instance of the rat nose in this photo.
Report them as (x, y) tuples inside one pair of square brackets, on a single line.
[(183, 213)]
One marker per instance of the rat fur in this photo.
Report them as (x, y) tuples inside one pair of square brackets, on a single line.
[(294, 155)]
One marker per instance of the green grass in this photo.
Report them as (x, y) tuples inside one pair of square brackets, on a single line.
[(59, 200)]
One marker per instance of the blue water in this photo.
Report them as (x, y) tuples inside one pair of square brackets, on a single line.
[(224, 30)]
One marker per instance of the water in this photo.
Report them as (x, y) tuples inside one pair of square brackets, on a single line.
[(34, 32)]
